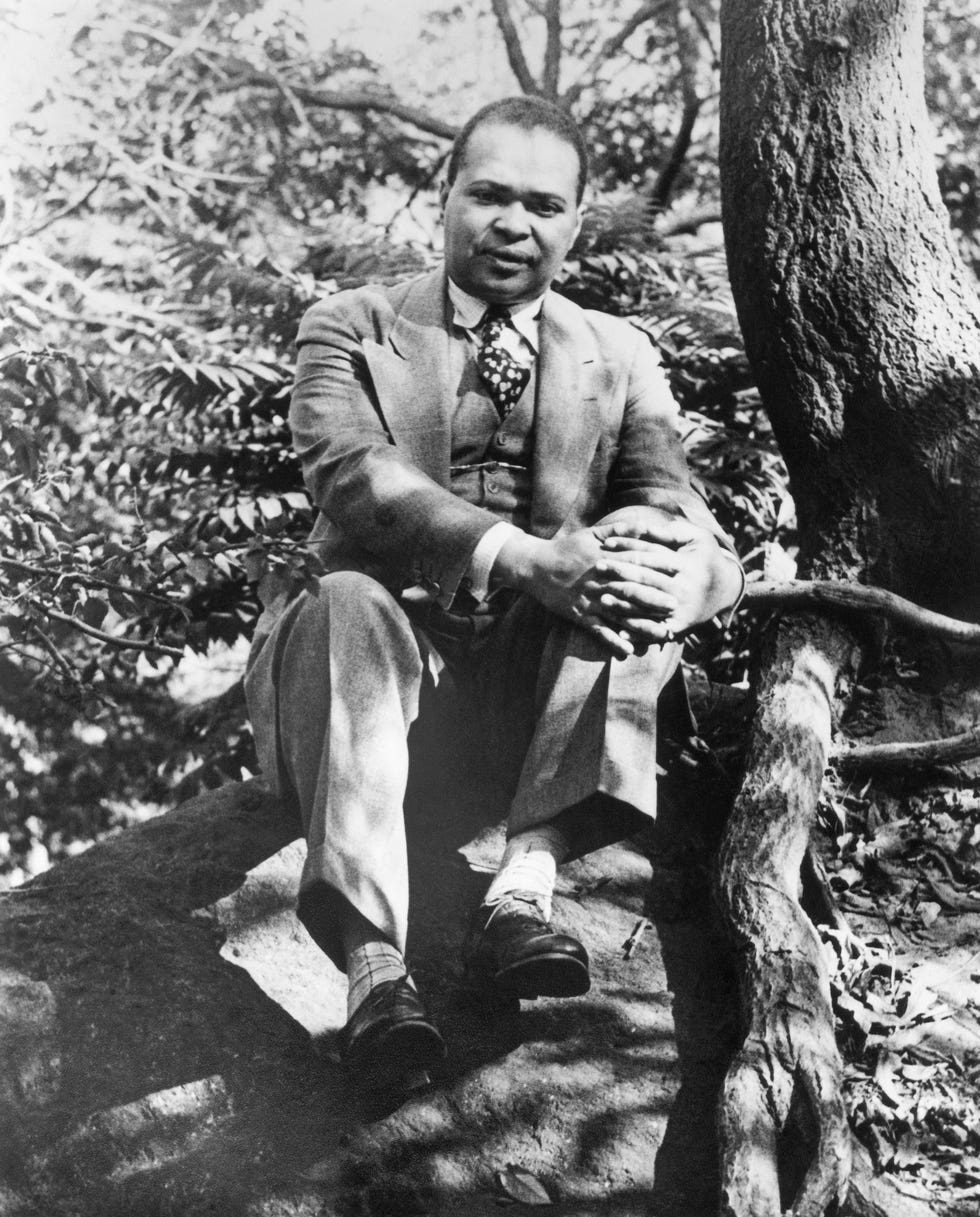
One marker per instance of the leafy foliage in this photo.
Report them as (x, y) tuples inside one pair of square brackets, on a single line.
[(953, 97), (905, 865), (157, 250), (182, 195)]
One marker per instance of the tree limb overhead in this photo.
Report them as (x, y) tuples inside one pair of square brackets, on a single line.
[(512, 45)]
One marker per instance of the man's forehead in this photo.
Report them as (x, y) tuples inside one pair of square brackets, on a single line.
[(501, 153)]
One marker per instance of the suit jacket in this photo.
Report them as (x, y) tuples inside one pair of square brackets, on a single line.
[(371, 417)]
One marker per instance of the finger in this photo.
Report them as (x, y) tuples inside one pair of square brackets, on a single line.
[(643, 630), (651, 572), (656, 593), (655, 557), (615, 544), (637, 598), (612, 636), (674, 531)]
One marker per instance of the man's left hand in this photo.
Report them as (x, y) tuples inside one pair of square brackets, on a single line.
[(660, 580)]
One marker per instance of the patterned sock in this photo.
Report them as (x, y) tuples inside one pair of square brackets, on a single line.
[(530, 862), (371, 959)]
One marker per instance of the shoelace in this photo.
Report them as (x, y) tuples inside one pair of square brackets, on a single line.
[(528, 898)]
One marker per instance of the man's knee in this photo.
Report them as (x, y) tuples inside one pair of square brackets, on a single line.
[(358, 622), (350, 597)]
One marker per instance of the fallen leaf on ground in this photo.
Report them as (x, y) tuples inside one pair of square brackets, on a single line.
[(519, 1184)]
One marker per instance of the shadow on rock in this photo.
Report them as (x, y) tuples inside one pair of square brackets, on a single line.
[(168, 1030)]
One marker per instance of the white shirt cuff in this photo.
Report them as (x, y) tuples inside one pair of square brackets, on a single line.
[(484, 556)]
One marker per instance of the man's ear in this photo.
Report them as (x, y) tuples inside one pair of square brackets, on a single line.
[(579, 220)]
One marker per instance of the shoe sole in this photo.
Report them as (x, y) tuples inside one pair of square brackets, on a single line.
[(551, 975)]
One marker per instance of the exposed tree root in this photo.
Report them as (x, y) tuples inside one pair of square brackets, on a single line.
[(898, 756), (799, 595), (786, 1144), (834, 595), (876, 1195), (789, 1049)]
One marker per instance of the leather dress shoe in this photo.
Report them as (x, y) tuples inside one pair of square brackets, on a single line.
[(512, 947), (389, 1034)]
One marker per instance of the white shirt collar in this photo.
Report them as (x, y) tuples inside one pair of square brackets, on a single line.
[(468, 313)]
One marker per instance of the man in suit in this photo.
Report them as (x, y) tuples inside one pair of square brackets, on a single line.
[(502, 496)]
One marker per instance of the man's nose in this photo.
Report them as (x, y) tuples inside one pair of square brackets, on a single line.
[(512, 219)]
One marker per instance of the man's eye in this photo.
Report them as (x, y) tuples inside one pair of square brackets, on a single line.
[(485, 196), (547, 209)]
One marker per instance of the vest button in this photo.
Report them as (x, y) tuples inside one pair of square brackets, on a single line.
[(492, 487)]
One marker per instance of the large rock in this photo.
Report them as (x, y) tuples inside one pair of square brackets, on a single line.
[(167, 1038)]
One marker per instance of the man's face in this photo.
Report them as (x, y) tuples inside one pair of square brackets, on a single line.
[(511, 214)]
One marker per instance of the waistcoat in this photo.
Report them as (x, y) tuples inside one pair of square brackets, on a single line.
[(491, 460)]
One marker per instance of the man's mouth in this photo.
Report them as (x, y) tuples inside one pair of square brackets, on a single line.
[(507, 257)]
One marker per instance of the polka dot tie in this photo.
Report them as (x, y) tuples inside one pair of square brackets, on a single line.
[(503, 375)]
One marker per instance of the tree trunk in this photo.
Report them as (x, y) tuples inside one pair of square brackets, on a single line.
[(862, 329), (859, 319)]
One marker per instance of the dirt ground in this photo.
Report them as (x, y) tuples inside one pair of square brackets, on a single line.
[(168, 1030)]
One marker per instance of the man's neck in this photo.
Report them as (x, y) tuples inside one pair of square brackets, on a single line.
[(468, 311)]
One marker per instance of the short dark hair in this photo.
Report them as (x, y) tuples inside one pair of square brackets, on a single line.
[(530, 114)]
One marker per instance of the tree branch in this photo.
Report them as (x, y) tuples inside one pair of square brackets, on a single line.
[(512, 45), (60, 214), (612, 46), (125, 589), (363, 101), (799, 595), (688, 55), (77, 317), (119, 644), (667, 177), (552, 51), (710, 213)]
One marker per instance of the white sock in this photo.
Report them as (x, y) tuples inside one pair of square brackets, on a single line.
[(371, 959), (530, 863)]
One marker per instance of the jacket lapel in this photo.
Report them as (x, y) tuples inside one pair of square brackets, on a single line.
[(410, 371), (567, 417)]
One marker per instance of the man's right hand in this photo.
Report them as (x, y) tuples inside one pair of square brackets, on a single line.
[(560, 574)]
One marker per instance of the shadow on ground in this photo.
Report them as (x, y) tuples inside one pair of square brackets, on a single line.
[(168, 1034)]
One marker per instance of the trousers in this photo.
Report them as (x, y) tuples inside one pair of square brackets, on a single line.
[(335, 686)]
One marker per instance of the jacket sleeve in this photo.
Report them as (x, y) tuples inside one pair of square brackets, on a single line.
[(360, 479), (651, 468)]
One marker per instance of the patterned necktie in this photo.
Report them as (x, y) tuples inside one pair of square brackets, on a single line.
[(503, 375)]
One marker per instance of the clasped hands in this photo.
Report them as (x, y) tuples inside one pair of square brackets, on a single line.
[(632, 583)]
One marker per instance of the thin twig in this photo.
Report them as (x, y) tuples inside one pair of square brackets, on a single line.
[(60, 214), (419, 188), (87, 581), (612, 46), (631, 943)]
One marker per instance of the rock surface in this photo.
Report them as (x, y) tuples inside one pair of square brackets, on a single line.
[(168, 1038)]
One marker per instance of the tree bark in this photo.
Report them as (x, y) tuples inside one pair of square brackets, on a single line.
[(859, 319), (789, 1050), (862, 329)]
